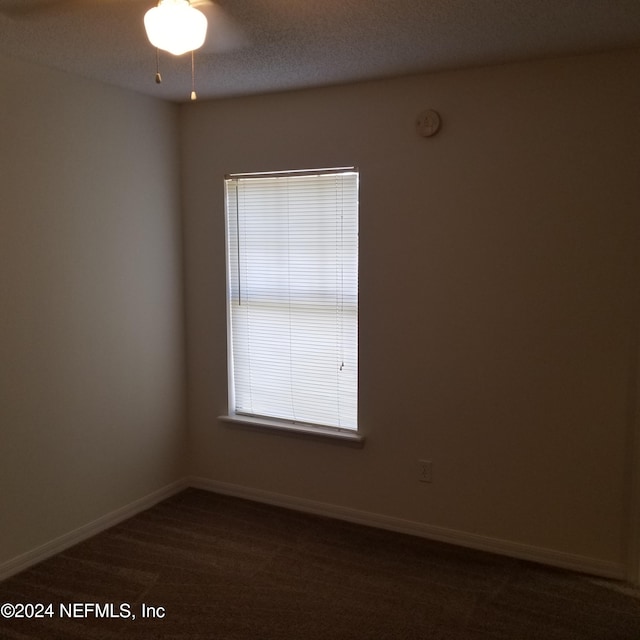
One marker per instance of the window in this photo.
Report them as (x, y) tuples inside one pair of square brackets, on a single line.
[(292, 255)]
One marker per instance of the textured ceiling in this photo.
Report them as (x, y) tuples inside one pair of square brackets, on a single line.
[(257, 46)]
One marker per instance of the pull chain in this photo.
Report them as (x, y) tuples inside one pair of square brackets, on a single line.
[(158, 76), (193, 77)]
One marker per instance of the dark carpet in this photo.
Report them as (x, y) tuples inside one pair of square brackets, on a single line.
[(221, 568)]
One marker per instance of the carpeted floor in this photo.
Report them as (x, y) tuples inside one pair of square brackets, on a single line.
[(220, 568)]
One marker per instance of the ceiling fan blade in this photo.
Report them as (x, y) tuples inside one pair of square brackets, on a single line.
[(27, 8), (223, 32)]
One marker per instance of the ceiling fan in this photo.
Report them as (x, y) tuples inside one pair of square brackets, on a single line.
[(175, 26), (223, 33)]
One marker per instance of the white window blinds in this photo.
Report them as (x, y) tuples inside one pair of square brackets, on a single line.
[(292, 252)]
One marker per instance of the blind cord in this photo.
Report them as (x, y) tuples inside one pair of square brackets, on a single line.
[(238, 243)]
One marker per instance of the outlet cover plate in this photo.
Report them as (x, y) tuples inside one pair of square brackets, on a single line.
[(425, 471)]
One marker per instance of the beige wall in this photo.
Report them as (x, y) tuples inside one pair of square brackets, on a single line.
[(91, 332), (498, 282), (498, 300)]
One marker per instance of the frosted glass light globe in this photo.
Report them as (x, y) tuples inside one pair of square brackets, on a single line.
[(175, 26)]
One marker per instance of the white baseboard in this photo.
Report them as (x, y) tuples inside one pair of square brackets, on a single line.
[(482, 543), (51, 548)]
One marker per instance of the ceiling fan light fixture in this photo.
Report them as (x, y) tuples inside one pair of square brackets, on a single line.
[(175, 26)]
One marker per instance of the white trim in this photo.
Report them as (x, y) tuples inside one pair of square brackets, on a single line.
[(542, 555), (632, 528), (51, 548), (348, 436), (632, 475), (592, 566), (291, 172)]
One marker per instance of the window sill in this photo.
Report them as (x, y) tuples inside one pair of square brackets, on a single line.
[(306, 431)]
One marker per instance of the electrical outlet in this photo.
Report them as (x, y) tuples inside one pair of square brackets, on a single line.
[(425, 471)]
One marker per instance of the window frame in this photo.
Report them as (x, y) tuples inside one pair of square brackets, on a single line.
[(345, 435)]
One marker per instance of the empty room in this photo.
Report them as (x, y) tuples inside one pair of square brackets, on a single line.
[(319, 320)]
